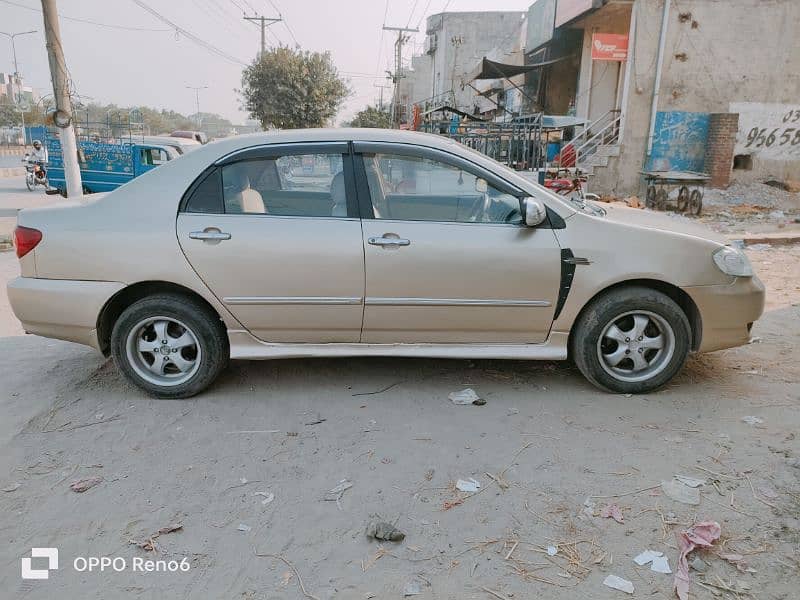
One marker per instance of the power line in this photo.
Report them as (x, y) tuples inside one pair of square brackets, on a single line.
[(411, 16), (88, 21), (197, 40), (424, 12), (380, 42), (285, 23)]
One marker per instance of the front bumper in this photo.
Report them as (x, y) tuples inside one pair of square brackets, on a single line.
[(60, 308), (728, 311)]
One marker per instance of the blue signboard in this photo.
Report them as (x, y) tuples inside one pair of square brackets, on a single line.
[(679, 141)]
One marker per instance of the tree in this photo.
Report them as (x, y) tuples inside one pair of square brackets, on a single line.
[(372, 117), (9, 115), (288, 89)]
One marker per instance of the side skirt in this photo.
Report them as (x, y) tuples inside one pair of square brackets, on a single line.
[(244, 346)]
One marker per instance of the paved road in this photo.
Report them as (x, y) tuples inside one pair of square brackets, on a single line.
[(15, 196)]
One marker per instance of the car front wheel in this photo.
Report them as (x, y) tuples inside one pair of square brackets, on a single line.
[(631, 340), (171, 346)]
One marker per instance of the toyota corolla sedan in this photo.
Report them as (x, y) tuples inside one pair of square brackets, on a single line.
[(359, 242)]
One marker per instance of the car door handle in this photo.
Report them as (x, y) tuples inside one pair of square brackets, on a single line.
[(210, 235), (384, 241)]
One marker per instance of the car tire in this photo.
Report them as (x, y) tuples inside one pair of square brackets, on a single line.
[(170, 345), (631, 340)]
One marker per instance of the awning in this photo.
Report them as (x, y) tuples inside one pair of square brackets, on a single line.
[(489, 69)]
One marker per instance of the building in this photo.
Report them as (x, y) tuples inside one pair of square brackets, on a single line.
[(13, 92), (690, 85)]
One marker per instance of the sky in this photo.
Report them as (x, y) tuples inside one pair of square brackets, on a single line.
[(129, 57)]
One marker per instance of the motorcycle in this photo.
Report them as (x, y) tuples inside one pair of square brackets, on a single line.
[(569, 185), (35, 174)]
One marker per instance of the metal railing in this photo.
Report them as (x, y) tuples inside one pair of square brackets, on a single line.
[(602, 131)]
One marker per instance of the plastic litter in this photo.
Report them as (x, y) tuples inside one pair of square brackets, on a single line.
[(268, 497), (468, 485), (412, 588), (751, 420), (699, 535), (618, 583), (690, 481), (552, 550), (680, 492), (466, 396), (613, 511), (335, 493), (243, 527)]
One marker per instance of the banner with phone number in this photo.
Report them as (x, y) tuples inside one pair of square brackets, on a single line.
[(768, 131)]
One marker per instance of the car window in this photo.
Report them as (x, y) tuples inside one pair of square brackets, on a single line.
[(304, 185), (421, 189), (207, 196), (154, 156)]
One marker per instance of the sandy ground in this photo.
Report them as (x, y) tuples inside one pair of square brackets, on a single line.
[(544, 444)]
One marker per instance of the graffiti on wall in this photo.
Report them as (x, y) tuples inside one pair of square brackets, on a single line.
[(768, 131), (679, 142)]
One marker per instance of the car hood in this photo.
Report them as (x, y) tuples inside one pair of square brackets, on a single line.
[(669, 222)]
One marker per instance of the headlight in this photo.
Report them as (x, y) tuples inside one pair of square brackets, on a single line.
[(732, 261)]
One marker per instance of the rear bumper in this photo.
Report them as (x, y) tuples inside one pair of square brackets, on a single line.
[(728, 311), (59, 308)]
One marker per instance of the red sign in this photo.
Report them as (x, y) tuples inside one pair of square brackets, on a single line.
[(609, 46)]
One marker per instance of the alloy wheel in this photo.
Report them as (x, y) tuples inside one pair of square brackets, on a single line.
[(636, 346), (163, 351)]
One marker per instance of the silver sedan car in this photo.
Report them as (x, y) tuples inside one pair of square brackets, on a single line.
[(358, 242)]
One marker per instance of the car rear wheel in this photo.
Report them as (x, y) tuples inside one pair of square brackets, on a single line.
[(171, 346), (631, 340)]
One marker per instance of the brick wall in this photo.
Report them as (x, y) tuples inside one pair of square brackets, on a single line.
[(722, 129)]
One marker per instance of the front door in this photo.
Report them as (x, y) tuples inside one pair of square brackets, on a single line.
[(447, 257), (271, 234)]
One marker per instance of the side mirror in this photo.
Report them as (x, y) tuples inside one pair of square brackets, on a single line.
[(534, 212)]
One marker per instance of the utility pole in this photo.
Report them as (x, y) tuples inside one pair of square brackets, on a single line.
[(63, 114), (265, 22), (382, 87), (18, 80), (402, 38), (197, 89)]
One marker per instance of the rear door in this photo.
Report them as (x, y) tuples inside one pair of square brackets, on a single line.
[(275, 235), (447, 257)]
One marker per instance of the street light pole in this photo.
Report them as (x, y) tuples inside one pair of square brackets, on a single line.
[(197, 89), (17, 79)]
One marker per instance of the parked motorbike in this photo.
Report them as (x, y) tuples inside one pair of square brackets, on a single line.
[(35, 173), (571, 184)]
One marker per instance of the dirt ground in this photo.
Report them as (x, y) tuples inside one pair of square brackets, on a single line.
[(549, 451)]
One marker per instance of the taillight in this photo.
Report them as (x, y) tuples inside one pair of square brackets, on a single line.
[(26, 239)]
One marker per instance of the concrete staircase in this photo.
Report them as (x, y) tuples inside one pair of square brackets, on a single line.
[(603, 154)]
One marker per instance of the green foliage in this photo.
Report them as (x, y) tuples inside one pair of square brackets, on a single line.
[(157, 121), (289, 89), (371, 117), (9, 115)]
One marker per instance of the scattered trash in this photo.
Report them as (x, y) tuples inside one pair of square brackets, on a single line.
[(316, 421), (680, 492), (589, 507), (468, 485), (754, 340), (552, 550), (698, 565), (767, 492), (658, 562), (513, 411), (690, 481), (381, 530), (412, 588), (699, 535), (614, 512), (618, 583), (268, 497), (12, 488), (335, 494), (243, 527), (466, 396), (170, 528), (736, 560), (448, 504), (751, 420), (82, 485)]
